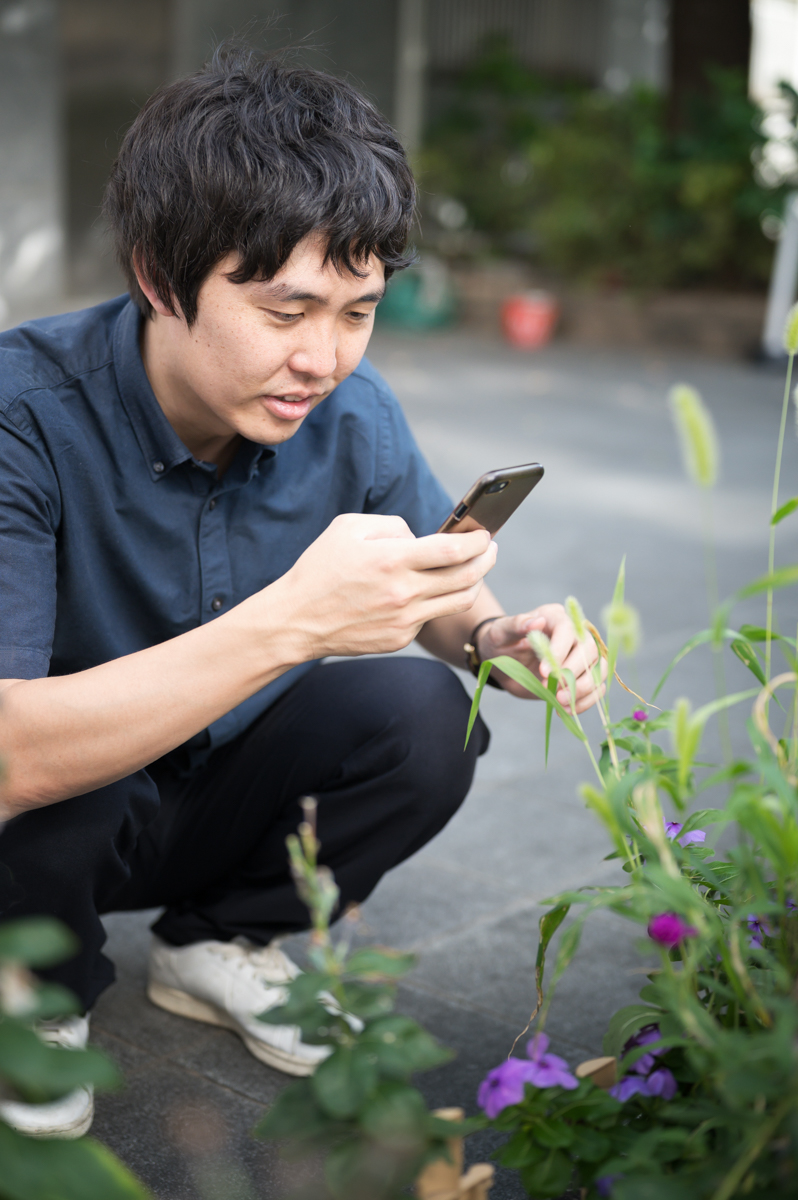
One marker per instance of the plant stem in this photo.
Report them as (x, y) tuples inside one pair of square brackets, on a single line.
[(711, 576), (736, 1175), (773, 507)]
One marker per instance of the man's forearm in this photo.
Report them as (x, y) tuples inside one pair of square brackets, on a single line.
[(446, 636), (70, 734)]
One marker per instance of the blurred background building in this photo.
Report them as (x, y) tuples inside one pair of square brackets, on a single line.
[(614, 143)]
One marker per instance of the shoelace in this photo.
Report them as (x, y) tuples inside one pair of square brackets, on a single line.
[(266, 965)]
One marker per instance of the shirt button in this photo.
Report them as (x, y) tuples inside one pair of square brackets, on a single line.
[(217, 603), (211, 505), (158, 467)]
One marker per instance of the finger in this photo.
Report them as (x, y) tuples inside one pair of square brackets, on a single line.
[(447, 549), (370, 526), (589, 701), (437, 581), (582, 657), (562, 638)]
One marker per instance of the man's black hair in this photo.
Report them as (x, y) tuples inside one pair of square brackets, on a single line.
[(250, 155)]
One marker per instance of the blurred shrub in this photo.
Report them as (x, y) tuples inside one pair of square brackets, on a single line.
[(598, 186)]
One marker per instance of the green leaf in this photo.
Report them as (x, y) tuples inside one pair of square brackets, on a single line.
[(708, 710), (784, 511), (551, 686), (482, 679), (400, 1046), (378, 962), (781, 577), (33, 1169), (294, 1114), (367, 1001), (553, 1133), (343, 1081), (396, 1112), (42, 1072), (625, 1023), (37, 941), (700, 639), (758, 633), (520, 1152), (524, 676), (589, 1144), (747, 656), (548, 1178), (549, 923)]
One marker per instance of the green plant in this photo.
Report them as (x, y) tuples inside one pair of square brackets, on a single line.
[(705, 1106), (359, 1109), (600, 187), (34, 1072)]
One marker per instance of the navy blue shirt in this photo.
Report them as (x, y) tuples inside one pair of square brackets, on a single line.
[(113, 537)]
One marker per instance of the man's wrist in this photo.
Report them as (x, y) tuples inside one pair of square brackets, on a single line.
[(474, 658)]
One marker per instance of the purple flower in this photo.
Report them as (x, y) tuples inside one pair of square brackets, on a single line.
[(669, 928), (639, 715), (504, 1085), (662, 1082), (548, 1070), (604, 1185), (759, 929), (629, 1086), (696, 837), (650, 1033)]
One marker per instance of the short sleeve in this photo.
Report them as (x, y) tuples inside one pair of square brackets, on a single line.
[(404, 484), (29, 513)]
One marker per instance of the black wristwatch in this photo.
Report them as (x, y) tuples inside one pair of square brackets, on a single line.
[(473, 661)]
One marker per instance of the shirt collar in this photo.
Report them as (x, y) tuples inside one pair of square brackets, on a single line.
[(160, 445)]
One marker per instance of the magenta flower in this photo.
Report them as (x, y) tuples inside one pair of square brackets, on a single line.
[(669, 928), (548, 1070), (502, 1086), (696, 837), (629, 1086), (640, 714)]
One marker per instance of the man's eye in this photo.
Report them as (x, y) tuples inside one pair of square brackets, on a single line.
[(359, 316), (286, 318)]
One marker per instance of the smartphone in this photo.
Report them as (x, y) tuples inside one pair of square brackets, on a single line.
[(493, 499)]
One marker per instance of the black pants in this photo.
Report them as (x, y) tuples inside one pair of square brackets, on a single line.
[(379, 743)]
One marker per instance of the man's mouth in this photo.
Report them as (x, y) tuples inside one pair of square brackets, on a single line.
[(290, 408)]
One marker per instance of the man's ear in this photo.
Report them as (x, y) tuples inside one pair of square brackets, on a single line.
[(149, 291)]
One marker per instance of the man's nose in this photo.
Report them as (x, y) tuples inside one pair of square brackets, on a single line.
[(317, 355)]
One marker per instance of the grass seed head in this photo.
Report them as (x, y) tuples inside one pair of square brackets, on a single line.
[(791, 330), (622, 623), (697, 435), (577, 615)]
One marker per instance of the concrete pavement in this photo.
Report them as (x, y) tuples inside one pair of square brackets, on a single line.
[(469, 903)]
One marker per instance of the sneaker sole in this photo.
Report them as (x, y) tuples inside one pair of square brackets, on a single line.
[(68, 1134), (184, 1005)]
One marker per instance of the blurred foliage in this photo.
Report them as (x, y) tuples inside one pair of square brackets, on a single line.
[(35, 1072), (599, 187)]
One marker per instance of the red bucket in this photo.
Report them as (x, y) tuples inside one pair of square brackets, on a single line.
[(528, 319)]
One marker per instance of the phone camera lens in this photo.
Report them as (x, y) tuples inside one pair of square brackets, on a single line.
[(498, 486)]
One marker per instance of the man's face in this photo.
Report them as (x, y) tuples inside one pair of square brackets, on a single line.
[(261, 355)]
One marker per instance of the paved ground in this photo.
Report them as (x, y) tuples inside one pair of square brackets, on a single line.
[(469, 903)]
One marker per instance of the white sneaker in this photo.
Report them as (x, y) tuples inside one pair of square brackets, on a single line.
[(72, 1115), (229, 984)]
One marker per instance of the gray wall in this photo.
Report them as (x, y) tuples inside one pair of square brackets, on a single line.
[(31, 216)]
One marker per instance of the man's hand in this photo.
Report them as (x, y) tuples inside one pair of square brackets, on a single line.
[(367, 585), (507, 635)]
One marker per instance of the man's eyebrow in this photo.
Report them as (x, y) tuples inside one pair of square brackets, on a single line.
[(287, 294)]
